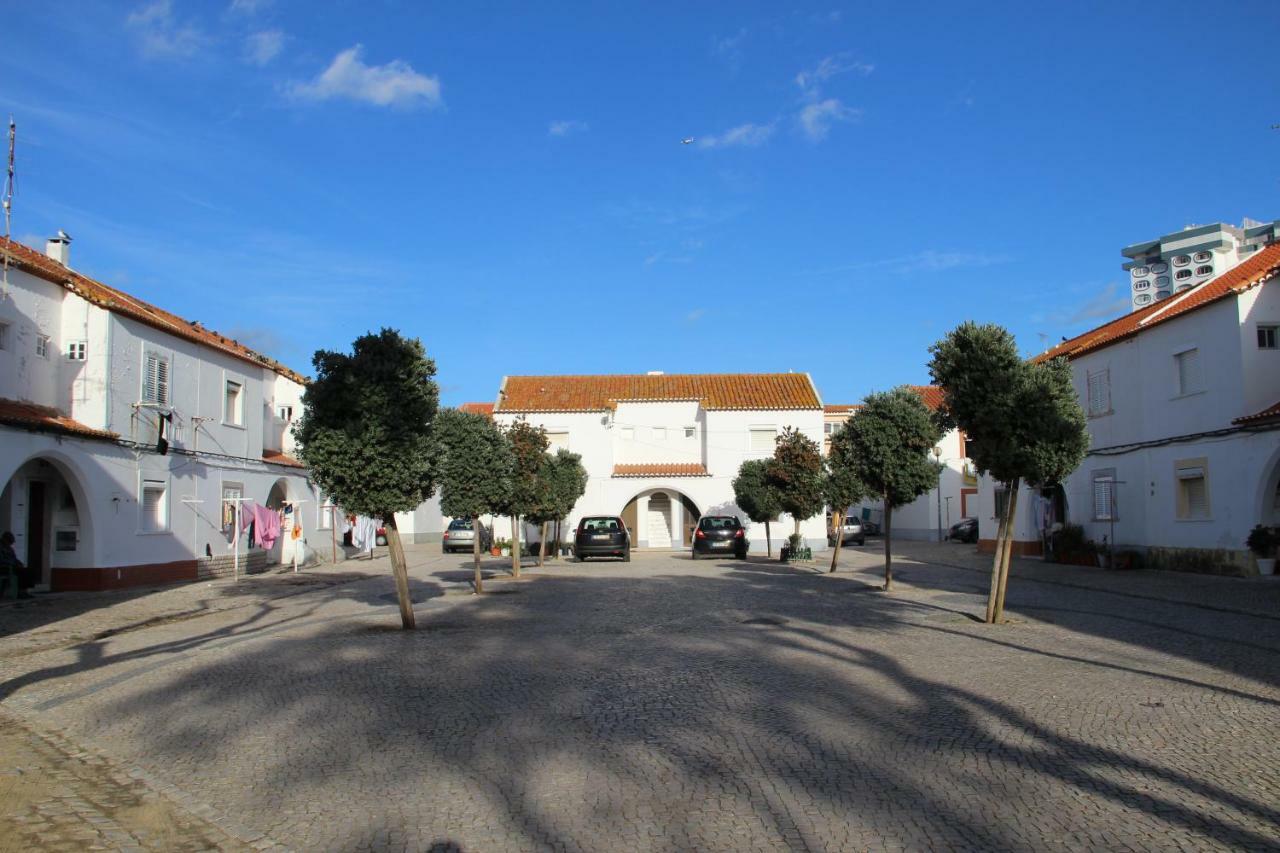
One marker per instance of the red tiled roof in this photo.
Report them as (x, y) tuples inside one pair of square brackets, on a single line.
[(832, 409), (279, 458), (930, 395), (661, 469), (46, 419), (485, 409), (713, 390), (38, 264), (1249, 274), (1258, 417)]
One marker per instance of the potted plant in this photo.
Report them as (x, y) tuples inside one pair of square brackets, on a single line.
[(1262, 542), (502, 547)]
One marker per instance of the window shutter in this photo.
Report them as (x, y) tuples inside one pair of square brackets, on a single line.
[(1197, 498), (155, 388), (1188, 371), (763, 440), (153, 505), (1100, 392), (1102, 503)]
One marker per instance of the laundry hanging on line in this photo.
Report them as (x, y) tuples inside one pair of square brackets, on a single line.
[(265, 521)]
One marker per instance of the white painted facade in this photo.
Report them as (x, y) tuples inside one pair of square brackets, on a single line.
[(672, 432), (117, 512), (930, 516), (1157, 429)]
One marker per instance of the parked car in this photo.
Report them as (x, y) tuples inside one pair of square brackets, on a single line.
[(964, 530), (460, 535), (850, 531), (602, 536), (720, 534), (869, 527)]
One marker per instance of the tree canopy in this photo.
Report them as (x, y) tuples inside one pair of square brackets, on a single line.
[(794, 472), (475, 464), (753, 494)]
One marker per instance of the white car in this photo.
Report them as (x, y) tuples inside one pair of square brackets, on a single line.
[(850, 531)]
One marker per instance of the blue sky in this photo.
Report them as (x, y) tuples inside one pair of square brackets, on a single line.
[(508, 183)]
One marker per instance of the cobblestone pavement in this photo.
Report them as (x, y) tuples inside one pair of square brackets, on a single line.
[(670, 704)]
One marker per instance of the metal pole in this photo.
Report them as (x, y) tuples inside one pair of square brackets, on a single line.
[(235, 545)]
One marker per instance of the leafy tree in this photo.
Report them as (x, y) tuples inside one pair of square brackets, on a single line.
[(1025, 419), (755, 497), (474, 471), (886, 446), (841, 487), (366, 434), (528, 483), (565, 480), (795, 474)]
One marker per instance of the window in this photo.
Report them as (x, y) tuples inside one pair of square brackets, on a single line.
[(690, 432), (828, 428), (557, 440), (1190, 375), (1099, 392), (1138, 272), (1142, 285), (1181, 261), (76, 350), (1267, 337), (1192, 476), (1182, 274), (1159, 268), (234, 411), (1204, 270), (1002, 501), (1104, 495), (4, 335), (659, 433), (285, 413), (1142, 299), (1162, 294), (231, 492), (1201, 257), (1162, 281), (628, 433), (155, 381), (42, 346), (154, 507), (763, 439)]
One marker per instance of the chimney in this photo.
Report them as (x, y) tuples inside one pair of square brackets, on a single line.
[(654, 373), (59, 248)]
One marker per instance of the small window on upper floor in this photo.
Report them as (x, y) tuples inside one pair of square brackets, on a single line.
[(233, 413), (1190, 374), (77, 350), (1138, 272), (690, 432), (762, 439), (1099, 391), (627, 433), (828, 428), (1159, 268), (1267, 337), (1201, 257), (155, 381), (557, 440), (42, 346), (285, 413), (1162, 281), (1181, 274), (659, 433), (1142, 299), (1181, 260), (1205, 270)]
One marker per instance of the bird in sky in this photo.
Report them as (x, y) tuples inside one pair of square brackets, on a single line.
[(688, 140)]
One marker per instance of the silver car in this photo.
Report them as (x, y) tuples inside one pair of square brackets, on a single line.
[(459, 536), (850, 531)]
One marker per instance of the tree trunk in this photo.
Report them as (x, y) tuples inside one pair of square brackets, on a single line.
[(839, 534), (399, 570), (1001, 529), (476, 527), (515, 546), (797, 521), (888, 545), (542, 545), (1007, 551), (768, 542)]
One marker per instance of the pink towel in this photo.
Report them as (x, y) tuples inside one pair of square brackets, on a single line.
[(266, 523)]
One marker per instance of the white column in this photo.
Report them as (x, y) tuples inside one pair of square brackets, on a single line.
[(642, 521), (677, 520)]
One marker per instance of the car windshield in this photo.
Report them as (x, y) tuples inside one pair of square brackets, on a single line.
[(460, 524), (601, 524), (720, 522)]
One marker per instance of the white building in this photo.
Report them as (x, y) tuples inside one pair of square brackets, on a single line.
[(931, 515), (1177, 262), (1181, 398), (88, 377), (661, 450)]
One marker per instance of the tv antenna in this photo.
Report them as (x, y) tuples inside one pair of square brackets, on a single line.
[(8, 207)]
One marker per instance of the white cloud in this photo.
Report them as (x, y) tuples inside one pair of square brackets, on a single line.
[(260, 48), (393, 84), (744, 135), (829, 67), (161, 35), (816, 118), (566, 127), (924, 261), (248, 7), (695, 315), (728, 49)]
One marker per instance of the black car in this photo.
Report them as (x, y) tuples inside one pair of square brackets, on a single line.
[(964, 530), (720, 534), (602, 536)]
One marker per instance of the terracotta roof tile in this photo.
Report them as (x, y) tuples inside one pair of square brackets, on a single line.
[(46, 419), (485, 409), (279, 458), (1249, 274), (1269, 413), (844, 409), (713, 390), (38, 264), (661, 469), (931, 395)]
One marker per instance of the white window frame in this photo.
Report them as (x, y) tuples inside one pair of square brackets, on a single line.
[(752, 431), (148, 482), (659, 433), (236, 490), (691, 432), (1185, 471), (1104, 499), (164, 385), (233, 418), (1190, 368), (42, 345), (1100, 405), (77, 350), (627, 433), (284, 412)]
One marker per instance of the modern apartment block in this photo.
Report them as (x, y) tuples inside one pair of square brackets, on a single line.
[(1177, 262)]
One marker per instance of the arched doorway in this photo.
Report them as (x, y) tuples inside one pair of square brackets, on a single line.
[(661, 518), (44, 506)]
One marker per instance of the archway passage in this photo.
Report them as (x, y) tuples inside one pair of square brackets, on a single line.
[(39, 507), (661, 518)]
